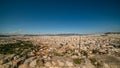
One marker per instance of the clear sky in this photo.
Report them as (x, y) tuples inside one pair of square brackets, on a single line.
[(59, 16)]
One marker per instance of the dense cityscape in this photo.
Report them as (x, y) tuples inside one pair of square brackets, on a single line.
[(86, 51)]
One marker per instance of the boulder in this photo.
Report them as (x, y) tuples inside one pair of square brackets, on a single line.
[(60, 63), (48, 64), (70, 64), (33, 63), (2, 61)]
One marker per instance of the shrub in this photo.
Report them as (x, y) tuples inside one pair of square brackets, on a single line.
[(15, 48), (84, 53), (58, 54), (93, 60), (94, 51), (77, 60)]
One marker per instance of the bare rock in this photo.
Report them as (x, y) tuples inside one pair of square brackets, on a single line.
[(33, 63), (2, 61), (87, 64), (60, 63), (74, 56), (105, 65), (1, 66), (25, 65), (29, 59), (70, 64), (48, 64), (54, 63)]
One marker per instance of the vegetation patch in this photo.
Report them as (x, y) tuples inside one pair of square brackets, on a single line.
[(77, 60), (95, 51), (84, 53), (58, 54), (93, 60), (16, 48)]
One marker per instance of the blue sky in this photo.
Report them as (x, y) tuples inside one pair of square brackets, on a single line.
[(59, 16)]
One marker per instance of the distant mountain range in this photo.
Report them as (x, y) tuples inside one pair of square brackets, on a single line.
[(112, 33), (69, 34)]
